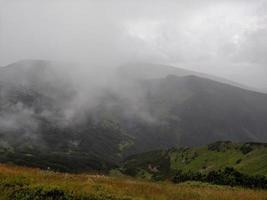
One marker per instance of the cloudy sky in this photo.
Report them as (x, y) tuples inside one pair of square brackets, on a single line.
[(222, 37)]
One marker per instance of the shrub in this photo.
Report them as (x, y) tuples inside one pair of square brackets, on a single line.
[(228, 176), (246, 148), (27, 193)]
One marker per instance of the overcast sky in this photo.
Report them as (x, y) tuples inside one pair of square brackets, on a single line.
[(223, 37)]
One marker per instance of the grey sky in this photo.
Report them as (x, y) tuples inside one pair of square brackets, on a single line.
[(221, 37)]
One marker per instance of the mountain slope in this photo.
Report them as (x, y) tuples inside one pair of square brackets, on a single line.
[(188, 111), (51, 119), (37, 127), (248, 158), (155, 71)]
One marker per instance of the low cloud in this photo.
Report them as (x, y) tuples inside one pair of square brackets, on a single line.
[(219, 37)]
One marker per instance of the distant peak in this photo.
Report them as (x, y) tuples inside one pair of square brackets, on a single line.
[(30, 62)]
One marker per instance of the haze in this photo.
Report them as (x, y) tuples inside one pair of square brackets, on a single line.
[(220, 37)]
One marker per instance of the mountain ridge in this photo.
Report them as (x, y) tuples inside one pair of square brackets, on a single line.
[(58, 120)]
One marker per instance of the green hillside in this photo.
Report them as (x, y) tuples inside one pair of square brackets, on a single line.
[(248, 158)]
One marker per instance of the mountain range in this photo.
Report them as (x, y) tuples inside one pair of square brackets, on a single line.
[(70, 120)]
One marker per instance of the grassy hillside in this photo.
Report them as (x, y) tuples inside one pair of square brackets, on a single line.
[(26, 183), (249, 158)]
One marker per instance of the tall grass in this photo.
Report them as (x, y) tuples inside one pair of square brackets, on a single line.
[(26, 183)]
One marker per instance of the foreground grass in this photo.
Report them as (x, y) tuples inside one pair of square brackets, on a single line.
[(27, 183)]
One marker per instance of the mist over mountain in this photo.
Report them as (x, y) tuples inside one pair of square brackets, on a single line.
[(52, 117), (221, 37), (149, 71), (164, 90)]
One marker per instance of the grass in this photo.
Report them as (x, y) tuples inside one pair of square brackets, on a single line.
[(253, 163), (215, 156), (27, 183)]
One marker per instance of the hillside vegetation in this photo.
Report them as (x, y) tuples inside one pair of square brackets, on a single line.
[(248, 158), (25, 183)]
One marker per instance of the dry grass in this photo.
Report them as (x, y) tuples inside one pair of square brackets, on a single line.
[(122, 187)]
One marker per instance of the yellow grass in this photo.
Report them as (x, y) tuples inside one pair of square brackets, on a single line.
[(125, 187)]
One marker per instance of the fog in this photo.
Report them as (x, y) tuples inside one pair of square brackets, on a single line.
[(220, 37), (94, 76)]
